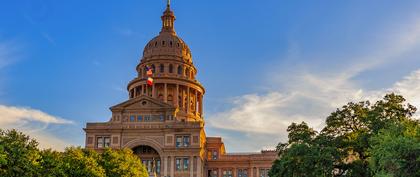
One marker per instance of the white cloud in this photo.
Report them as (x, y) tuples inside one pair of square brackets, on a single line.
[(312, 96), (34, 123)]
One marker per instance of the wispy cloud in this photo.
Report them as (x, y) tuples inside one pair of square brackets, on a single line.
[(35, 123), (310, 96)]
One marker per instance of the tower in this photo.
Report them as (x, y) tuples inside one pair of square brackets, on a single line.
[(174, 73), (162, 122)]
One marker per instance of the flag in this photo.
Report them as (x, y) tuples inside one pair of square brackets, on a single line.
[(150, 81), (149, 71)]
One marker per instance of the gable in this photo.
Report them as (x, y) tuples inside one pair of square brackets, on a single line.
[(142, 103)]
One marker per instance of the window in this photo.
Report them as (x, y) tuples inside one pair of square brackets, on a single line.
[(171, 68), (178, 164), (227, 173), (182, 141), (153, 69), (242, 173), (103, 142), (186, 141), (178, 141), (214, 174), (132, 118), (162, 118), (146, 118), (214, 155), (264, 172), (158, 166), (162, 68), (179, 70), (139, 118), (182, 164), (186, 163)]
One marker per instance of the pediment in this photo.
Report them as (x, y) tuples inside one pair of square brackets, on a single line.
[(142, 103)]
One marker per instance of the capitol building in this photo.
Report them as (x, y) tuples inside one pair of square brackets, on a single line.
[(162, 120)]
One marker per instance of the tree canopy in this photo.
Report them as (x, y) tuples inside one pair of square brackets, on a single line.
[(358, 139), (20, 157)]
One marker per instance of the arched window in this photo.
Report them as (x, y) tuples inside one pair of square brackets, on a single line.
[(170, 43), (162, 68), (171, 68), (180, 70), (153, 68), (163, 43)]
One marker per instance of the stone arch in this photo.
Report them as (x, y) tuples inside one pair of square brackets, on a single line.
[(145, 142)]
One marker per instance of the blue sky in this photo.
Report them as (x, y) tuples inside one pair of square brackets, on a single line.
[(264, 64)]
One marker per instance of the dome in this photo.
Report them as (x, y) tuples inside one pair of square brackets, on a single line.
[(167, 43)]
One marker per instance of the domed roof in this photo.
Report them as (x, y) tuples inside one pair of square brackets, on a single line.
[(167, 43)]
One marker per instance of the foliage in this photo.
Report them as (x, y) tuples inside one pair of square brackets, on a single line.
[(20, 156), (122, 163), (395, 151), (359, 139)]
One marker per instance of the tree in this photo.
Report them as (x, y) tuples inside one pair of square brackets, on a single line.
[(304, 155), (51, 164), (82, 162), (122, 163), (357, 140), (19, 155), (395, 151)]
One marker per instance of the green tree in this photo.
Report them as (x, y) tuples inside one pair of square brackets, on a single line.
[(122, 163), (19, 155), (51, 164), (356, 141), (305, 154), (395, 151), (81, 162)]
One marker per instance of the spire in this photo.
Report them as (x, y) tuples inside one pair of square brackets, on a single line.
[(168, 19)]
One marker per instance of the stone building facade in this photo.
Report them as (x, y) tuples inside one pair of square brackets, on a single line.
[(164, 125)]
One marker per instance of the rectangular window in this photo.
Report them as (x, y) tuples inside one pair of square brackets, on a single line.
[(178, 141), (178, 164), (146, 118), (132, 118), (186, 163), (214, 174), (214, 155), (186, 141), (139, 118), (103, 142), (107, 141), (264, 172), (100, 142), (242, 173), (162, 118), (158, 166)]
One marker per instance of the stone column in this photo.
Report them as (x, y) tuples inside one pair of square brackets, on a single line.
[(219, 173), (165, 99), (201, 104), (188, 99), (234, 170), (165, 166), (199, 167), (195, 103), (176, 96), (191, 166), (172, 166)]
